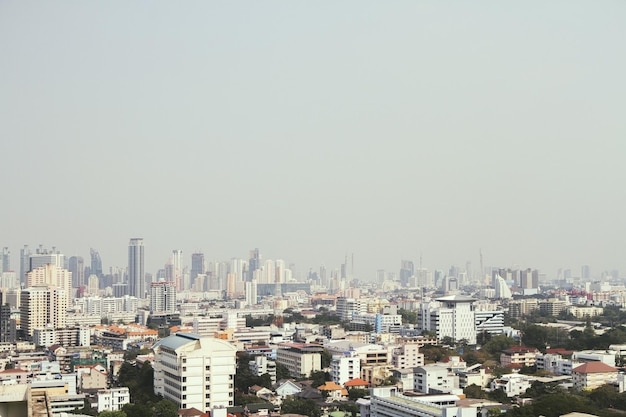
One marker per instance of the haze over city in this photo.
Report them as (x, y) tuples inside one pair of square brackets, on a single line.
[(317, 130)]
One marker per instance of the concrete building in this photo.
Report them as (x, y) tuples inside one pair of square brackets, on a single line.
[(112, 399), (261, 365), (432, 379), (345, 367), (49, 275), (451, 316), (512, 384), (407, 356), (592, 375), (42, 307), (163, 297), (518, 356), (136, 275), (195, 371), (300, 358)]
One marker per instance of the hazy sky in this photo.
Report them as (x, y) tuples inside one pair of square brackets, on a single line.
[(387, 129)]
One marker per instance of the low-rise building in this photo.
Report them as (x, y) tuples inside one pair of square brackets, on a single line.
[(518, 356), (512, 384), (592, 375), (112, 399), (300, 358)]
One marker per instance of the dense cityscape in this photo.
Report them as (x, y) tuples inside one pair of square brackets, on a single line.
[(245, 337), (350, 208)]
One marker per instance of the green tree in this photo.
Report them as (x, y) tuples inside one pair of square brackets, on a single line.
[(327, 357), (408, 316), (165, 408), (112, 414), (497, 344), (305, 407), (474, 391), (281, 372), (356, 393)]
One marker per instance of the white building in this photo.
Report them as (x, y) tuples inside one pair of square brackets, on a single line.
[(512, 384), (300, 358), (261, 366), (163, 297), (452, 316), (430, 379), (113, 399), (195, 371), (345, 367), (407, 356)]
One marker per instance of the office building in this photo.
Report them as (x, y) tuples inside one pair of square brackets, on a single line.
[(136, 277), (195, 371), (162, 297), (24, 262), (44, 257), (49, 275), (451, 316), (42, 307), (407, 270), (177, 269), (198, 266), (76, 266), (300, 358), (6, 260), (96, 263)]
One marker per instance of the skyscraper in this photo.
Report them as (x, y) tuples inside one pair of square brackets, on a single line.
[(76, 265), (254, 263), (96, 263), (197, 266), (136, 278), (24, 262), (162, 297), (177, 261), (6, 260)]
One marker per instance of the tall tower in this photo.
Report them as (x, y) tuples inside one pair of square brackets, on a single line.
[(197, 266), (76, 265), (96, 263), (6, 260), (136, 277), (254, 263), (177, 261), (24, 262)]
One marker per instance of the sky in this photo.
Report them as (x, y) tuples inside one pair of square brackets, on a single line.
[(385, 129)]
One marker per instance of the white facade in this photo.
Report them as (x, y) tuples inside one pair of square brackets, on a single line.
[(345, 367), (113, 399), (261, 366), (49, 275), (512, 384), (452, 316), (163, 297), (432, 378), (195, 371)]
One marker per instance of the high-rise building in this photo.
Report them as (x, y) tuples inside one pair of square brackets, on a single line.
[(162, 297), (49, 275), (76, 266), (42, 307), (136, 278), (407, 269), (6, 260), (177, 262), (585, 273), (46, 257), (7, 325), (24, 262), (195, 371), (96, 263), (197, 266), (452, 316), (254, 263)]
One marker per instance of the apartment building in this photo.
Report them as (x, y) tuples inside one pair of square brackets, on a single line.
[(195, 371), (300, 358)]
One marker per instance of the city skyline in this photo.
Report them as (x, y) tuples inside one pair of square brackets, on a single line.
[(391, 131)]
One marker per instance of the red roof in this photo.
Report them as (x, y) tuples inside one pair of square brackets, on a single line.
[(357, 382), (594, 368)]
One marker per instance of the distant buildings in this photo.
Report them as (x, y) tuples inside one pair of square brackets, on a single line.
[(136, 275)]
